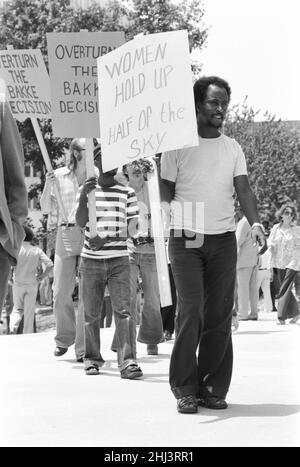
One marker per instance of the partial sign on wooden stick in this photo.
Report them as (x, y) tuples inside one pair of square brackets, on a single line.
[(28, 94), (159, 239), (73, 76), (27, 83)]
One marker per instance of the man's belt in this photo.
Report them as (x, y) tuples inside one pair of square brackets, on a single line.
[(67, 224), (142, 240)]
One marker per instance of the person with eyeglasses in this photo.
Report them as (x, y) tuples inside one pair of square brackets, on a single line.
[(69, 242), (284, 244), (199, 184)]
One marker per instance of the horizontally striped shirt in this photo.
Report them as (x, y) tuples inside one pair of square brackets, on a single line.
[(115, 206), (68, 187)]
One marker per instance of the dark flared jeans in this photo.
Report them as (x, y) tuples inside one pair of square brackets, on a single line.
[(205, 277), (287, 306)]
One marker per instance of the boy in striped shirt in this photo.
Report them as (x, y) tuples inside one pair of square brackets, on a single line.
[(105, 261)]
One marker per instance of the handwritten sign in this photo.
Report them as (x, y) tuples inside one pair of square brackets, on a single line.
[(27, 83), (74, 84), (146, 98)]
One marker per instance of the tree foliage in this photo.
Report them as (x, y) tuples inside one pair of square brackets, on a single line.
[(272, 150)]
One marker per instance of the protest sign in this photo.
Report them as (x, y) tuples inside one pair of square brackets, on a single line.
[(74, 84), (27, 83), (19, 70), (146, 98)]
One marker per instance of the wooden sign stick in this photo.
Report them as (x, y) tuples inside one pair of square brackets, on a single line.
[(90, 171), (159, 239), (48, 165)]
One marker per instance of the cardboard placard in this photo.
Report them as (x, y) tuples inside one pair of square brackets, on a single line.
[(74, 84), (146, 98), (27, 83)]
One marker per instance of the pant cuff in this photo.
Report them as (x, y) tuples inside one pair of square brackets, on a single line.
[(213, 391), (184, 391), (126, 363), (93, 361)]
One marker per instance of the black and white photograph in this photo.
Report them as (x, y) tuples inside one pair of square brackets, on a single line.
[(149, 226)]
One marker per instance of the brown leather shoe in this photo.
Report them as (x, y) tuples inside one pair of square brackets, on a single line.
[(212, 402)]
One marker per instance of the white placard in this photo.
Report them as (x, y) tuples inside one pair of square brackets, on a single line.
[(74, 84), (27, 83), (146, 98)]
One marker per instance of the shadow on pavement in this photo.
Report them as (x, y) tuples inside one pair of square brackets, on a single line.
[(250, 410), (249, 333)]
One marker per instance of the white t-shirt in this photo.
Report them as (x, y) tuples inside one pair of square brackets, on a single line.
[(29, 259), (204, 174)]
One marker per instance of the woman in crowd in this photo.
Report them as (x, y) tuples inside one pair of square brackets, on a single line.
[(284, 243)]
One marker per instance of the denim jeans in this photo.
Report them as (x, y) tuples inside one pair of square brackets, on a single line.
[(94, 275), (151, 327), (5, 266), (69, 327), (205, 280)]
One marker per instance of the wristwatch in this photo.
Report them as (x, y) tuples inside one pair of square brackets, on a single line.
[(257, 224)]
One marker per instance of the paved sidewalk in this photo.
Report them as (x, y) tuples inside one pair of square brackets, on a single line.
[(51, 402)]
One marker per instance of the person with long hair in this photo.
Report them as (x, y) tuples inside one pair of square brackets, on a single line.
[(284, 244), (69, 242)]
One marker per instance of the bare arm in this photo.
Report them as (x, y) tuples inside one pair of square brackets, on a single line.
[(167, 190), (82, 212), (48, 264), (248, 203), (246, 198)]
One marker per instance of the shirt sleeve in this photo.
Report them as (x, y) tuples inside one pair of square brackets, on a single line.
[(271, 239), (240, 163), (53, 214), (132, 209), (169, 167)]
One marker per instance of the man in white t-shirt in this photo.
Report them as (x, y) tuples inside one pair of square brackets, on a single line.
[(199, 182)]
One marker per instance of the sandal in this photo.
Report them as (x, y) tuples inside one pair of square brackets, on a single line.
[(131, 372), (92, 370)]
